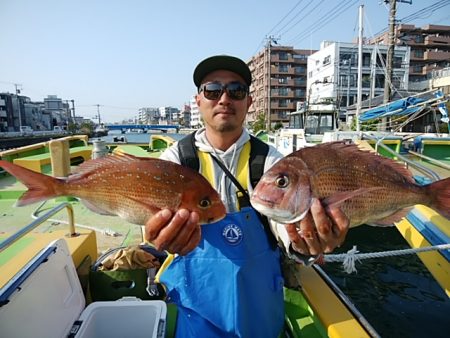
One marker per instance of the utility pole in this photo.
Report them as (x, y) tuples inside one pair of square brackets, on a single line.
[(270, 39), (73, 110), (16, 85), (390, 53), (98, 114)]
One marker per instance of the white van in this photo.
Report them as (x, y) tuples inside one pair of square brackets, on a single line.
[(26, 130)]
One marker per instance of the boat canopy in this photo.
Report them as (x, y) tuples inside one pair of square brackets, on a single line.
[(406, 106)]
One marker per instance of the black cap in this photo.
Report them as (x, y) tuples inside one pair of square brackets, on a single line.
[(225, 62)]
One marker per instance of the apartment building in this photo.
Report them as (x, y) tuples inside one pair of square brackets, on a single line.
[(430, 47), (333, 73), (287, 86), (195, 117), (149, 115)]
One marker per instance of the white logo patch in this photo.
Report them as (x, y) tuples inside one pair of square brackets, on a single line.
[(232, 234)]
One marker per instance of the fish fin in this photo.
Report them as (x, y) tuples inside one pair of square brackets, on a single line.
[(440, 200), (152, 209), (96, 208), (40, 187), (338, 198), (391, 219), (392, 170), (118, 158)]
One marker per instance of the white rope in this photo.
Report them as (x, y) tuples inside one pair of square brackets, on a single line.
[(353, 255)]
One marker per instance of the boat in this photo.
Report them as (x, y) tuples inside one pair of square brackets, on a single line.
[(48, 259), (315, 305)]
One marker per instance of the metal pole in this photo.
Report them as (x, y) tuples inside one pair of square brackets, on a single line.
[(360, 54), (348, 87), (18, 105), (268, 85)]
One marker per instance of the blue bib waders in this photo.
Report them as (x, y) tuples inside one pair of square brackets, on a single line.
[(231, 284)]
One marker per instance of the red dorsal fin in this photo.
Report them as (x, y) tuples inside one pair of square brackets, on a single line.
[(100, 163)]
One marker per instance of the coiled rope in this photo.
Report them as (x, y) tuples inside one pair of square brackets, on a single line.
[(349, 259)]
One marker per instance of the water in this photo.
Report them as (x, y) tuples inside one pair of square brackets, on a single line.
[(136, 137), (397, 295)]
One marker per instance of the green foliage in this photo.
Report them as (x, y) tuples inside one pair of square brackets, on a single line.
[(370, 125), (278, 125), (87, 128), (260, 123)]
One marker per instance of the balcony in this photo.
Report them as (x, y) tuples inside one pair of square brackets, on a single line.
[(276, 94), (437, 40), (276, 82), (276, 58), (436, 56), (287, 106)]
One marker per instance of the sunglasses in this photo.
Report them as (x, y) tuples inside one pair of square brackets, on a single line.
[(214, 90)]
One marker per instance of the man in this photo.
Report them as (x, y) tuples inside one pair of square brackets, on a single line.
[(225, 277)]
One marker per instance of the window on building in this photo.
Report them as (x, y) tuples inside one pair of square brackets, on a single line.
[(300, 93), (300, 82), (379, 81), (381, 61), (282, 115), (366, 59), (283, 68), (282, 80), (417, 69), (283, 91), (327, 60), (418, 53), (398, 62), (300, 70), (283, 55), (366, 80), (283, 103), (419, 38)]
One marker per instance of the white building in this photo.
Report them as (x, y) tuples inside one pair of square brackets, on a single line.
[(195, 121), (169, 115), (333, 73), (148, 116)]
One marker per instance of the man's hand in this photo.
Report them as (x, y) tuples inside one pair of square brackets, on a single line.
[(177, 233), (320, 231)]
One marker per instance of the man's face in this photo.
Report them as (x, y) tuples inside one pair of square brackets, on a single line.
[(224, 114)]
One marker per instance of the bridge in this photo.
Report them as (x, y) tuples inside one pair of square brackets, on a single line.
[(144, 127)]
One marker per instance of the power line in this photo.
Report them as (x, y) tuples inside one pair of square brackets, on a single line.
[(324, 20), (287, 14), (424, 11)]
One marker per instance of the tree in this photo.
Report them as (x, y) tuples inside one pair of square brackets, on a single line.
[(260, 123)]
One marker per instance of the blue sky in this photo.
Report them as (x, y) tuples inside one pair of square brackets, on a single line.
[(125, 55)]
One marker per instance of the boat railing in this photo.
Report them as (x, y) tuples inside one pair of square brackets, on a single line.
[(424, 170), (38, 221), (429, 159)]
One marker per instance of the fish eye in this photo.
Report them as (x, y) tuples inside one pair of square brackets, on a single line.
[(282, 181), (204, 203)]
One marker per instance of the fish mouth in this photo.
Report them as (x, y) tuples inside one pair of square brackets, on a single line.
[(278, 215), (215, 219)]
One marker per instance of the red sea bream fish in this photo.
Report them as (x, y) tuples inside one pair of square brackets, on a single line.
[(370, 189), (133, 188)]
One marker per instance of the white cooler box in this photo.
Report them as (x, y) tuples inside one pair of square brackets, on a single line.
[(45, 300)]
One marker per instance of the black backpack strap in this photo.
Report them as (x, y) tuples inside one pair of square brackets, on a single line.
[(188, 152), (258, 154)]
